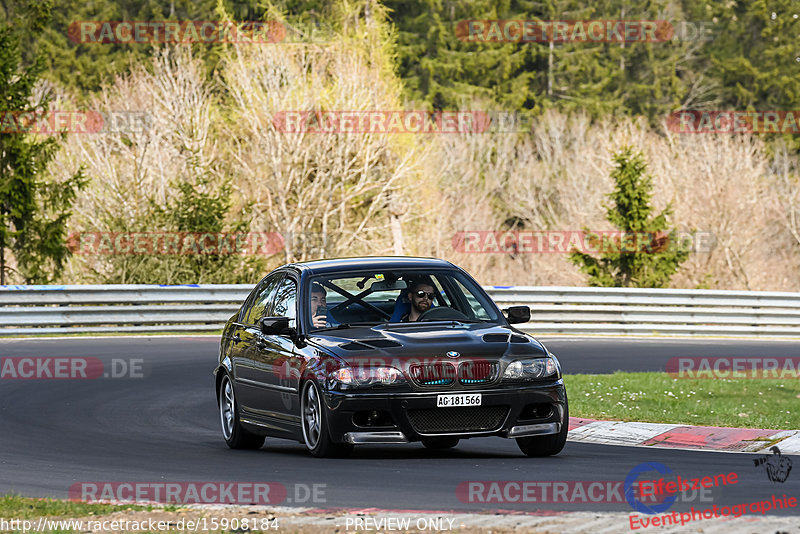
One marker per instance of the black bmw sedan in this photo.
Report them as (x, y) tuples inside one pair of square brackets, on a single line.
[(336, 353)]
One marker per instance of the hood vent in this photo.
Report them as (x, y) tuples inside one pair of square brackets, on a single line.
[(503, 338), (369, 344)]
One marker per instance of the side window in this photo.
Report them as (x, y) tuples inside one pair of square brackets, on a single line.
[(286, 300), (259, 304)]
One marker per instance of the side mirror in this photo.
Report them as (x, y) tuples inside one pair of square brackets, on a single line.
[(518, 314), (274, 326), (279, 326)]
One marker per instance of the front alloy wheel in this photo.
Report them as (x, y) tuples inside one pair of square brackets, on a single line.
[(315, 425), (235, 435)]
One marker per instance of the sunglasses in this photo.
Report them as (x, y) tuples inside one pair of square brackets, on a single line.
[(422, 294)]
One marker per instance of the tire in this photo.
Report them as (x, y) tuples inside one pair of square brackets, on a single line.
[(537, 446), (440, 443), (232, 431), (316, 434)]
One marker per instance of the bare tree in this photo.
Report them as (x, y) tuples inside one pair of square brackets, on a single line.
[(330, 194)]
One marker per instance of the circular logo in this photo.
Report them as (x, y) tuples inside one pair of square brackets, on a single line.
[(630, 482), (453, 354)]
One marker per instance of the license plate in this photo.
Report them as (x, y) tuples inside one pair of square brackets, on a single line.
[(465, 399)]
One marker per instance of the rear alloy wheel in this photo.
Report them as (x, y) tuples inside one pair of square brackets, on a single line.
[(440, 443), (315, 425), (546, 445), (235, 435)]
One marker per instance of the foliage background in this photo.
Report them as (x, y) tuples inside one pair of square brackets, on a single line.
[(211, 144)]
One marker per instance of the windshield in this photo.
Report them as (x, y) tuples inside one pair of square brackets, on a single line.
[(397, 297)]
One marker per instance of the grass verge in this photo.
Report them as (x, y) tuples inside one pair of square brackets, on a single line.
[(17, 507), (659, 398)]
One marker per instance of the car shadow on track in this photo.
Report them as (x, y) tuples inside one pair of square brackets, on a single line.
[(413, 451)]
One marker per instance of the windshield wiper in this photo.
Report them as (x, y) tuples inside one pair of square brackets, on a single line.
[(459, 321), (412, 324), (344, 326)]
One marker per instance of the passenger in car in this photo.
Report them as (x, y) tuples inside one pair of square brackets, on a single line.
[(319, 300), (420, 295)]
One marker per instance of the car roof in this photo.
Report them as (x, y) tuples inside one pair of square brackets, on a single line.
[(370, 263)]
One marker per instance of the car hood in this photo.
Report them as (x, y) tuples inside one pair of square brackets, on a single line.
[(402, 341)]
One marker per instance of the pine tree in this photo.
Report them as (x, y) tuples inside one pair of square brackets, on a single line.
[(33, 210), (648, 262), (755, 53)]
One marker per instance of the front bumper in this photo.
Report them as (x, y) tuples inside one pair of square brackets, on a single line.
[(345, 412)]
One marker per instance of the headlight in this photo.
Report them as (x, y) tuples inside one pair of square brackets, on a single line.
[(368, 376), (531, 369)]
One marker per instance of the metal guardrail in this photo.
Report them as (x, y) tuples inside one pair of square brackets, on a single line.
[(618, 311), (570, 310), (118, 308)]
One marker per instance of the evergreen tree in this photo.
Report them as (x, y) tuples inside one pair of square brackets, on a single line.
[(88, 66), (199, 208), (33, 210), (750, 63), (447, 70), (648, 262), (754, 52)]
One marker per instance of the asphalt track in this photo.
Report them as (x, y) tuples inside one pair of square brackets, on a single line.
[(163, 427)]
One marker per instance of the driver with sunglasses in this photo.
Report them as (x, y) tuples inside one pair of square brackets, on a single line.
[(421, 297)]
